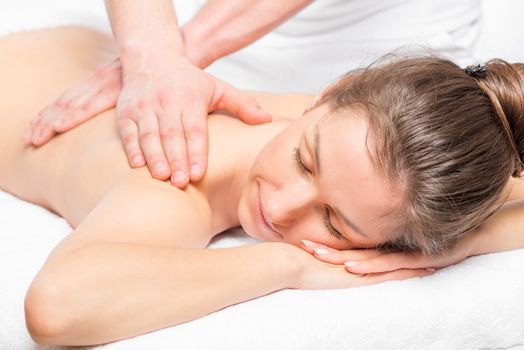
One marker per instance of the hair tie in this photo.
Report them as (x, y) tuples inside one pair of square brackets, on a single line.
[(475, 70)]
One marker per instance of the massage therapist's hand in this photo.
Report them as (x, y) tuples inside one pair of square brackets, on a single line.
[(161, 112), (82, 101), (312, 273), (364, 261)]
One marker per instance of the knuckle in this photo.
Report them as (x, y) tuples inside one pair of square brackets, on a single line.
[(126, 111), (171, 133), (128, 140), (193, 131), (145, 135), (165, 99)]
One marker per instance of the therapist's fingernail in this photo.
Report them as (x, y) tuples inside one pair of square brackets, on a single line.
[(195, 170), (178, 176), (351, 263), (160, 168), (321, 251), (36, 135), (136, 160), (57, 123)]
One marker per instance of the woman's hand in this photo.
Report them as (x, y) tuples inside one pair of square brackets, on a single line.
[(365, 261), (162, 108), (312, 273)]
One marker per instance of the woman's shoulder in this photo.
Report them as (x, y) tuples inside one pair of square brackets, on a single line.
[(282, 106)]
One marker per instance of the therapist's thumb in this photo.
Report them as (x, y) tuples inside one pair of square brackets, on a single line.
[(242, 106)]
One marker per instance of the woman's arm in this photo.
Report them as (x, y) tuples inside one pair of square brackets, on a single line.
[(111, 291), (134, 266), (503, 231)]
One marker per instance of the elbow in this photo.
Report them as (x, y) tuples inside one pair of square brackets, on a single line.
[(44, 315)]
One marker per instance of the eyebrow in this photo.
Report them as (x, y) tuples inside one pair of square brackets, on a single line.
[(316, 148)]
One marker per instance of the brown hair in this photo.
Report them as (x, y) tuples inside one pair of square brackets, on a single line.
[(450, 139)]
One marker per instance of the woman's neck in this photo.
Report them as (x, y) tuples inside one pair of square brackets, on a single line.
[(234, 146)]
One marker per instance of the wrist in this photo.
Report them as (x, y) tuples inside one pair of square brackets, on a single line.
[(138, 47), (286, 263), (140, 56), (198, 48)]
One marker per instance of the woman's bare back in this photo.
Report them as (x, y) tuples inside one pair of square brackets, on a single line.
[(70, 174)]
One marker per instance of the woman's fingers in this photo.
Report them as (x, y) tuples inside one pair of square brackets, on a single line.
[(389, 262), (396, 275), (339, 257), (317, 274)]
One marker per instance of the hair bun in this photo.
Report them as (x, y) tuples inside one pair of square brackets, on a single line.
[(503, 83)]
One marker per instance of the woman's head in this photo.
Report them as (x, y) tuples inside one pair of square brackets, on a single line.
[(450, 139), (413, 151)]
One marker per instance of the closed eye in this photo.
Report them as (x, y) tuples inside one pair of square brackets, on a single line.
[(325, 215), (298, 161)]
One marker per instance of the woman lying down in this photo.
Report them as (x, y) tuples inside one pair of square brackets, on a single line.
[(395, 170)]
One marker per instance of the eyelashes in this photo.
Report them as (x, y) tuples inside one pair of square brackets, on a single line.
[(303, 169), (298, 161), (330, 227)]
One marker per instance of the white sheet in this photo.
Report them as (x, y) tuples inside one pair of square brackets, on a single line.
[(477, 304)]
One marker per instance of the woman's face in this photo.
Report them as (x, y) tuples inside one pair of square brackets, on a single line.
[(334, 198)]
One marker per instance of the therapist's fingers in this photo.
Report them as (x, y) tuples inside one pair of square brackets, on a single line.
[(196, 135), (149, 138), (241, 105), (174, 143), (76, 105), (128, 131), (87, 108)]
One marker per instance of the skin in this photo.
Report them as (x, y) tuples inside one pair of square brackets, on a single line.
[(157, 83), (131, 230)]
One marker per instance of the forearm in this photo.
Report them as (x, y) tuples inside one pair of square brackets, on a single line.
[(503, 231), (223, 26), (116, 291), (143, 27)]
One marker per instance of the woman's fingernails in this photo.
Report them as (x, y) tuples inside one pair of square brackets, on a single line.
[(321, 251), (308, 243), (351, 263)]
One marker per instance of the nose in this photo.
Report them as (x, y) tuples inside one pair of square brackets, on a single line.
[(288, 204)]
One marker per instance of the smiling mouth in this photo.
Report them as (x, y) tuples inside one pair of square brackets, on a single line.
[(262, 218)]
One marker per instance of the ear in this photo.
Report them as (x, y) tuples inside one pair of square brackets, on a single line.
[(318, 97)]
